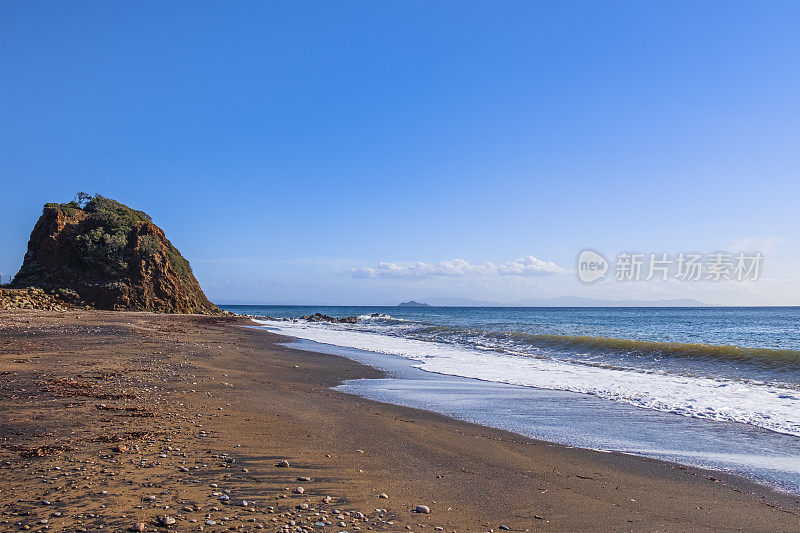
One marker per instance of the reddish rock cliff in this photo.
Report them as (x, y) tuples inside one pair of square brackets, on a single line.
[(113, 257)]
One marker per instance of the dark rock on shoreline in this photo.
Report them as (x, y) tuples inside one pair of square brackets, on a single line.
[(316, 317), (110, 256), (319, 317)]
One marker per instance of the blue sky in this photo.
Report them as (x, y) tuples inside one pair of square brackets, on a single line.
[(285, 146)]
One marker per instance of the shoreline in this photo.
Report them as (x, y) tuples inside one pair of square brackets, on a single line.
[(260, 403), (566, 415)]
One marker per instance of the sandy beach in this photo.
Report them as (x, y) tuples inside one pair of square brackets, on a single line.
[(118, 420)]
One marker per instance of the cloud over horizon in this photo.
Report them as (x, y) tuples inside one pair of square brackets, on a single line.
[(527, 265)]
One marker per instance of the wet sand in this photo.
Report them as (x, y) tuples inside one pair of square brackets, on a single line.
[(117, 419)]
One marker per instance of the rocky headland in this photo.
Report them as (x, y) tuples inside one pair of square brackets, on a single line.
[(102, 253)]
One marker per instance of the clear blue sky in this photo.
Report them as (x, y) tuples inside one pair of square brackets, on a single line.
[(281, 144)]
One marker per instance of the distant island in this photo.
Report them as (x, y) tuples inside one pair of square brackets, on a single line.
[(412, 303)]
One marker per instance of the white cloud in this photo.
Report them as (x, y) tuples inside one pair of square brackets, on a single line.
[(524, 266), (530, 266)]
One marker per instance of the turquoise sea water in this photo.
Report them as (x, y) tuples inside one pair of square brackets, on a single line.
[(747, 343), (729, 378)]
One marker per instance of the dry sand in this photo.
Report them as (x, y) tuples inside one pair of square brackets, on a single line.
[(108, 420)]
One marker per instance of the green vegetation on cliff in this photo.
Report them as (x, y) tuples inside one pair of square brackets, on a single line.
[(112, 255)]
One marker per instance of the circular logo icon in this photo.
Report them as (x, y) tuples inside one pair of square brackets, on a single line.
[(591, 266)]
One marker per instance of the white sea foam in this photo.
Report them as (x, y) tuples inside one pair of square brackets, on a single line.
[(766, 406), (379, 316)]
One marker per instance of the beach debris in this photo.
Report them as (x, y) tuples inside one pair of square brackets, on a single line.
[(283, 464), (120, 448), (422, 509), (504, 527), (303, 478), (299, 490), (383, 495)]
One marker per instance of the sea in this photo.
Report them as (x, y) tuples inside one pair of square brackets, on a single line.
[(713, 387)]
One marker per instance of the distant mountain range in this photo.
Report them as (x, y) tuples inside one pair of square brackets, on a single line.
[(565, 301)]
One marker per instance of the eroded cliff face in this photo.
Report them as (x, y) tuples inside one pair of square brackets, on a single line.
[(113, 257)]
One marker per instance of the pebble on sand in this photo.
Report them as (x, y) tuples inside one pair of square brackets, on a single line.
[(139, 526), (283, 463), (383, 495), (167, 521), (423, 509)]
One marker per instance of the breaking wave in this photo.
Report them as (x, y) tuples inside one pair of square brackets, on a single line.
[(707, 393), (764, 356)]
